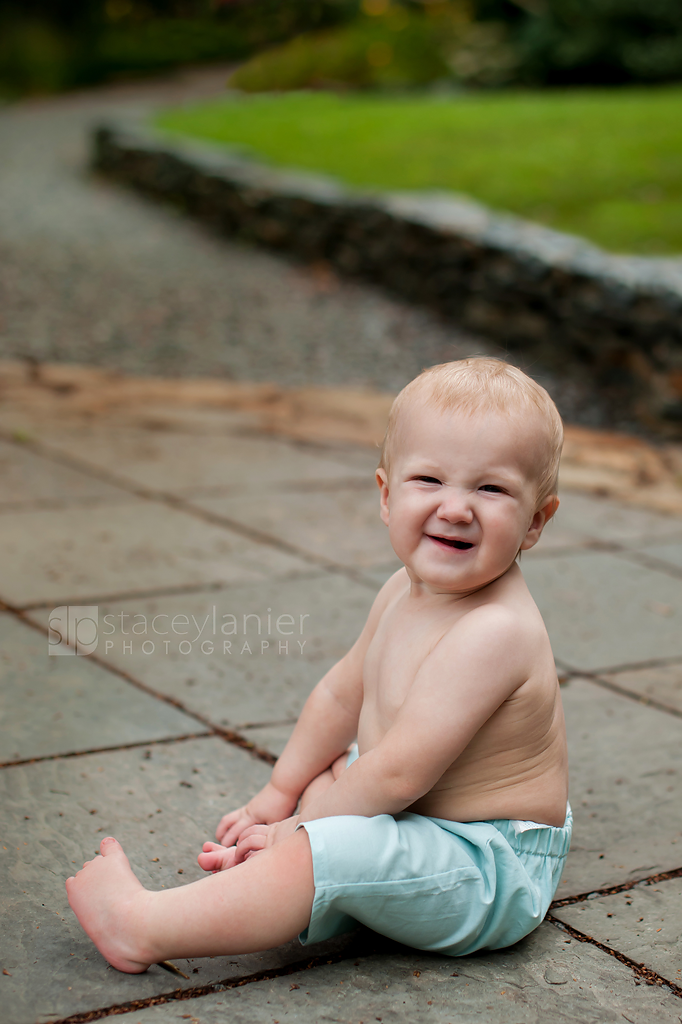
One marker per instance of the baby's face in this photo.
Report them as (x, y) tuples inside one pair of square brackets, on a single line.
[(461, 497)]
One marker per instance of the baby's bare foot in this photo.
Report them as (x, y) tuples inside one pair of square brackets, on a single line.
[(108, 901), (216, 857)]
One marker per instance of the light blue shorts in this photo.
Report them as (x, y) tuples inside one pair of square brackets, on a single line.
[(445, 886)]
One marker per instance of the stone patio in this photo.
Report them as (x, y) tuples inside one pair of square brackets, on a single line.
[(229, 570)]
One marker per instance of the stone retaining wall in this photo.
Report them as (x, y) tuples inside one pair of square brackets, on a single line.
[(555, 297)]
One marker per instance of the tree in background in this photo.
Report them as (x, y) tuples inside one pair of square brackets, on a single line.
[(479, 43), (47, 45), (601, 41), (55, 44)]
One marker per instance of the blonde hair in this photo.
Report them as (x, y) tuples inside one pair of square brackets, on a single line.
[(481, 383)]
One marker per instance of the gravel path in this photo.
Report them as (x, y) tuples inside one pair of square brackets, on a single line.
[(92, 273)]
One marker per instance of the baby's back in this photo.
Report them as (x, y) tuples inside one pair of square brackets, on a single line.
[(514, 765)]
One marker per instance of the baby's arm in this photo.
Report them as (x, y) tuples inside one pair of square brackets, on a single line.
[(326, 726), (462, 682)]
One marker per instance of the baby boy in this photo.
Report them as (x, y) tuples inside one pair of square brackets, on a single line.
[(447, 826)]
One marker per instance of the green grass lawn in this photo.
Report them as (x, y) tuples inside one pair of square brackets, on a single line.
[(605, 164)]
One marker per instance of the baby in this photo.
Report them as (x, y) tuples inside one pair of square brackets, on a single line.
[(447, 826)]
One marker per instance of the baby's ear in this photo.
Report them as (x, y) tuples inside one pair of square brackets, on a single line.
[(382, 481), (539, 521), (549, 507)]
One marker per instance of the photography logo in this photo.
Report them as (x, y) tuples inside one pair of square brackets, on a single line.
[(73, 629)]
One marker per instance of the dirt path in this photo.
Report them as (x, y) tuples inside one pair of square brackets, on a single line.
[(91, 273)]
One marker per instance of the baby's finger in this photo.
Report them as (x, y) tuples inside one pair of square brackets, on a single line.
[(226, 823), (253, 844), (252, 853), (232, 835), (254, 830)]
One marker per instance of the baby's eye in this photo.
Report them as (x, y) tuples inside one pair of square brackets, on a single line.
[(427, 479), (493, 488)]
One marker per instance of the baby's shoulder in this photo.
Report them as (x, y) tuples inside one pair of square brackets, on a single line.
[(487, 623), (496, 633), (395, 587), (392, 590)]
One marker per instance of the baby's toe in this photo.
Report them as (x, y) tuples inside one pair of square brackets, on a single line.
[(208, 861)]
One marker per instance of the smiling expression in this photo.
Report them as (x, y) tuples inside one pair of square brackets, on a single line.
[(461, 497)]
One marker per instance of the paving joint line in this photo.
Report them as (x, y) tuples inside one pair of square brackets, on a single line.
[(622, 691), (351, 483), (228, 735), (181, 995), (639, 698), (262, 537), (577, 547), (628, 666), (617, 548), (267, 725), (653, 563), (165, 741), (649, 976), (173, 501), (143, 595), (40, 504), (613, 890)]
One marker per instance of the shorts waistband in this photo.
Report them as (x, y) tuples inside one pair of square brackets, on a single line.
[(534, 839)]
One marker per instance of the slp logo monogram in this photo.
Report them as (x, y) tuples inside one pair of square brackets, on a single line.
[(73, 629)]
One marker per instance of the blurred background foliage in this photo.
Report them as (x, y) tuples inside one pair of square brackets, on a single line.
[(49, 45)]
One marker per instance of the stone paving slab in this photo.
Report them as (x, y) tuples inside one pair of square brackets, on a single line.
[(378, 576), (645, 923), (30, 479), (162, 802), (84, 553), (662, 683), (341, 525), (362, 459), (603, 612), (546, 978), (670, 553), (181, 463), (55, 705), (240, 686), (583, 520), (626, 789), (272, 738)]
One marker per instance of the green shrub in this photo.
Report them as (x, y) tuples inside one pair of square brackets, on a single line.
[(34, 56), (47, 45), (398, 51), (399, 47), (165, 42), (603, 41)]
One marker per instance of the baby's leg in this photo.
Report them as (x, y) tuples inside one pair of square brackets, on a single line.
[(257, 905)]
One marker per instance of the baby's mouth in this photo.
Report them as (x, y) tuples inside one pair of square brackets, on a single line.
[(451, 542)]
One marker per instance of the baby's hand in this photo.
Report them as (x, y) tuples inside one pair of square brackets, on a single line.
[(232, 825), (268, 806)]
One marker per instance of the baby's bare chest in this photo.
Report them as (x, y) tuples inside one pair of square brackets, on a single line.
[(398, 650)]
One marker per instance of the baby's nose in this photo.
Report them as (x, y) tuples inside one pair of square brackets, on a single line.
[(455, 508)]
